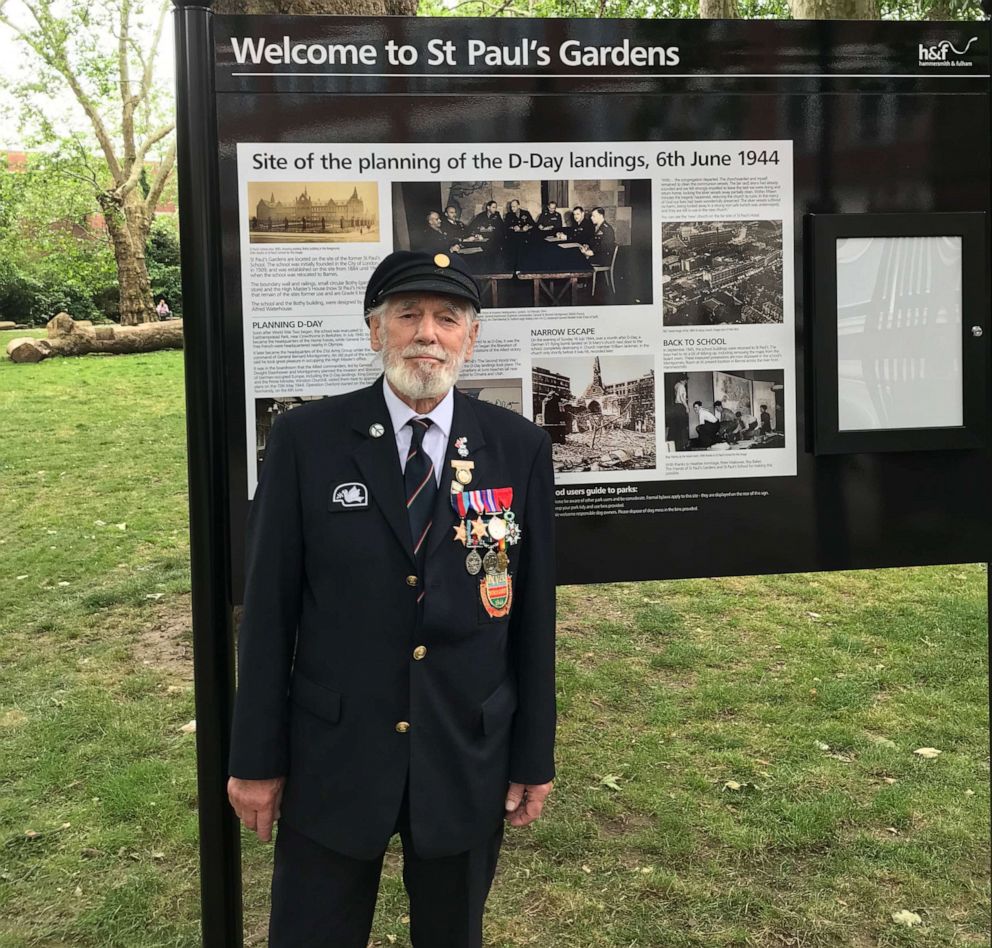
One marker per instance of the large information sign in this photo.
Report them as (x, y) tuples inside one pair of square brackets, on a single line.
[(738, 271), (632, 198)]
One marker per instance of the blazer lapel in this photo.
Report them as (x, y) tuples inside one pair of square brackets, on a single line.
[(464, 424), (379, 463)]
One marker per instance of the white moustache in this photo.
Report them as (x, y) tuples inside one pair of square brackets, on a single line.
[(414, 352)]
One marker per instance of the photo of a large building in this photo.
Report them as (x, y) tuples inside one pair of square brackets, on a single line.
[(313, 212), (600, 412), (721, 272)]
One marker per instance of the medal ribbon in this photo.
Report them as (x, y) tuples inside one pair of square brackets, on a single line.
[(492, 501)]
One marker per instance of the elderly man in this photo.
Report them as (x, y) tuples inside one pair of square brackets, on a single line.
[(396, 654)]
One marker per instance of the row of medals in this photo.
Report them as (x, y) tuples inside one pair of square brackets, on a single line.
[(495, 559)]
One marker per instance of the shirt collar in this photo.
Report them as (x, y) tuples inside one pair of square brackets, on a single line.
[(400, 412)]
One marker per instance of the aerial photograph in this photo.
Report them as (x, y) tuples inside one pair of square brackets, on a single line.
[(721, 272)]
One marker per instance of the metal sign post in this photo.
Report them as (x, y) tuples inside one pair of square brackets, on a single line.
[(213, 653)]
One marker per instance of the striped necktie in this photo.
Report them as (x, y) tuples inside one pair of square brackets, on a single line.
[(421, 489)]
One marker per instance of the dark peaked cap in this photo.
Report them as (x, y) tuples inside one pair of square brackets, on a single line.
[(409, 271)]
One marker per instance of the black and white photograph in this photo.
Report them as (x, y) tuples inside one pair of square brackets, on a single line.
[(266, 412), (507, 393), (599, 411), (536, 243), (313, 212), (718, 273), (729, 410)]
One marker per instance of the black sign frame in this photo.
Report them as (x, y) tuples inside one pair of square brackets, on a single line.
[(796, 61), (824, 232)]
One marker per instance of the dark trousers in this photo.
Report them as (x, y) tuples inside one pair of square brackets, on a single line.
[(323, 899)]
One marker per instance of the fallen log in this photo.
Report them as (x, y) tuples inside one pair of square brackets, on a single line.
[(67, 337)]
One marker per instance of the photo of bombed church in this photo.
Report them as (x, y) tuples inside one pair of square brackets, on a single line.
[(313, 212), (721, 272), (599, 412)]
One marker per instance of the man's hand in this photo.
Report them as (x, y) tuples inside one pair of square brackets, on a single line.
[(524, 802), (257, 803)]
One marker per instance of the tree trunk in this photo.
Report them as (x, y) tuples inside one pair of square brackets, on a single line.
[(718, 10), (319, 7), (66, 337), (128, 227), (834, 9)]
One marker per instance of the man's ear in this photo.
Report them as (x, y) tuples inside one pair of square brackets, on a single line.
[(375, 333), (473, 334)]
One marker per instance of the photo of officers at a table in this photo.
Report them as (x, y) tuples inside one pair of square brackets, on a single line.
[(733, 410), (535, 243)]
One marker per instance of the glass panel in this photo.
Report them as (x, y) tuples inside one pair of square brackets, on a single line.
[(899, 333)]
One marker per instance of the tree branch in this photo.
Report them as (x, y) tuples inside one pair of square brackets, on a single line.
[(161, 176), (138, 160), (494, 9), (128, 98), (51, 50), (149, 60)]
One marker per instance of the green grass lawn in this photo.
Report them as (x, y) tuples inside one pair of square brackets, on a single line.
[(736, 758)]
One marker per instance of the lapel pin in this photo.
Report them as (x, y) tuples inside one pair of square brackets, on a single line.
[(376, 430), (461, 444)]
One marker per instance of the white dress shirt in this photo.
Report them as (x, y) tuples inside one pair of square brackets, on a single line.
[(435, 438)]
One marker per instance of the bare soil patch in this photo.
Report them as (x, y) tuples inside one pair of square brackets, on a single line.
[(166, 643)]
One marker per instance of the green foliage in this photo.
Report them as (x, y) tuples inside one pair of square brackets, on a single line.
[(684, 9), (52, 258), (163, 243), (162, 258)]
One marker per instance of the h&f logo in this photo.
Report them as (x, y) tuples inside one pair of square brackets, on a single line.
[(940, 52)]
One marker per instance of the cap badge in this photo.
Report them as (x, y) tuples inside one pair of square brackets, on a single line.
[(442, 260)]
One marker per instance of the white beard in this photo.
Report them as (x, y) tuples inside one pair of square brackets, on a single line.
[(417, 380)]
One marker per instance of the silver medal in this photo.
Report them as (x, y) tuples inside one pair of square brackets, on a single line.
[(490, 562), (473, 563)]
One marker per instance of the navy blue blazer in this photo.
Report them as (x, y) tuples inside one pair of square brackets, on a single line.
[(326, 665)]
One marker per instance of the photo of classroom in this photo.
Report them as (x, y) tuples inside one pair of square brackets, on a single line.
[(536, 243), (729, 410)]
